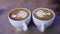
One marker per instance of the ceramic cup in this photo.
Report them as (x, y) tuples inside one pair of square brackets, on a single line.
[(41, 24), (20, 25)]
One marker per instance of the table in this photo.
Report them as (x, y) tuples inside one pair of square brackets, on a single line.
[(7, 5)]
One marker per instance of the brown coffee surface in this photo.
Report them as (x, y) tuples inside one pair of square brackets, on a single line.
[(45, 17), (16, 11)]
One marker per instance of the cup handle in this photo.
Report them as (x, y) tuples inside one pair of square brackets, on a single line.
[(25, 28), (42, 27)]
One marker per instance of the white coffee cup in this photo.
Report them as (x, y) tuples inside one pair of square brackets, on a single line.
[(41, 24), (20, 25)]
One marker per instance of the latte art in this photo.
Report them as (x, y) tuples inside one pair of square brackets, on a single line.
[(40, 13), (43, 14), (21, 14)]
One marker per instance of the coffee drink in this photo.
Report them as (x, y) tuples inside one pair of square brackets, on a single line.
[(43, 14), (43, 18), (19, 14)]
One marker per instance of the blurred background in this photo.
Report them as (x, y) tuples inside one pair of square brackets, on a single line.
[(7, 5)]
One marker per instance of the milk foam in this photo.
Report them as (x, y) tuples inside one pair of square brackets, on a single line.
[(13, 16), (21, 14), (41, 13), (48, 13)]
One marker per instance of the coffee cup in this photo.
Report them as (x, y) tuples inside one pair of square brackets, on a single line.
[(19, 18), (43, 18)]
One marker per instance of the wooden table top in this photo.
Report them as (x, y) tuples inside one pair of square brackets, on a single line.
[(7, 5)]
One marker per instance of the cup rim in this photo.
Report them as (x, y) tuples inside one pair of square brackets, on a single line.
[(19, 8), (47, 9)]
